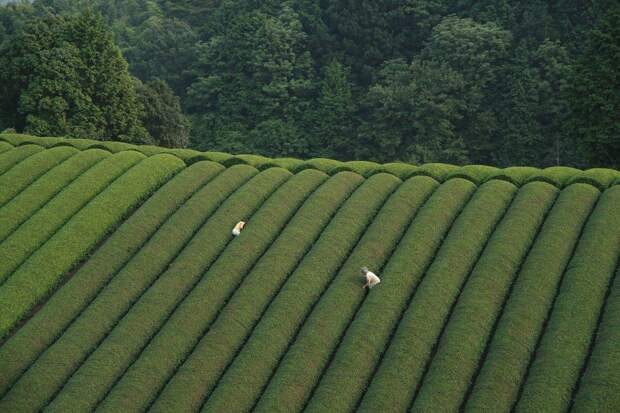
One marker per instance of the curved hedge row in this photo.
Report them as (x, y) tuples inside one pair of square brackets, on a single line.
[(35, 278), (360, 351), (324, 328), (14, 156), (462, 344), (156, 306), (26, 172), (34, 232), (184, 229), (475, 173), (517, 175), (297, 297), (18, 353), (414, 191), (565, 344), (5, 146), (178, 381), (597, 391), (177, 298), (196, 331), (421, 324), (31, 199), (521, 324), (478, 174), (158, 360)]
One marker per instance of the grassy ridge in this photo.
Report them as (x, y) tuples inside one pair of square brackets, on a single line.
[(14, 156), (60, 360), (168, 295), (597, 390), (34, 232), (31, 199), (26, 172), (478, 174), (158, 360), (565, 343), (521, 324), (278, 325), (320, 335), (169, 394), (17, 354), (353, 365), (462, 344), (403, 364), (5, 146), (37, 276), (123, 289), (217, 285), (415, 193)]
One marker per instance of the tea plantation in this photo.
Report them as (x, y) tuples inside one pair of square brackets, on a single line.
[(122, 288)]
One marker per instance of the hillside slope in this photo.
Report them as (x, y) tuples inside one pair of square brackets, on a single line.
[(122, 288)]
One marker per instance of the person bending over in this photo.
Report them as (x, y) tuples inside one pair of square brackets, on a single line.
[(238, 228), (371, 278)]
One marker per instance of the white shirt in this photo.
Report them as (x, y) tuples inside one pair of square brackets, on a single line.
[(372, 279), (237, 229)]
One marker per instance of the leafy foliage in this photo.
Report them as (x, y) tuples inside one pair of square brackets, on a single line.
[(152, 304), (413, 111), (596, 92), (65, 76), (487, 82), (162, 114)]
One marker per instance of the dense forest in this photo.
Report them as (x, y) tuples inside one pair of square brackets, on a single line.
[(498, 82)]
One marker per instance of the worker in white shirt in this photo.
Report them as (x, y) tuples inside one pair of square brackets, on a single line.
[(371, 278), (237, 229)]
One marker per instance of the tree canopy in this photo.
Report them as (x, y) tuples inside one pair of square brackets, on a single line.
[(65, 76), (491, 82)]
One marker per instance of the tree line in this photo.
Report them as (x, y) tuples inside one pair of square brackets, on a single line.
[(499, 82)]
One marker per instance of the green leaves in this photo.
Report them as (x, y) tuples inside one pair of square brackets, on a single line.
[(162, 114), (66, 76), (595, 93), (414, 109), (256, 84)]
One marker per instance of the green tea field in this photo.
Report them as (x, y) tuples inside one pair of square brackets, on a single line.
[(122, 288)]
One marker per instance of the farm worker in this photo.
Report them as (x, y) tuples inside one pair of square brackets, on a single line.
[(237, 229), (371, 278)]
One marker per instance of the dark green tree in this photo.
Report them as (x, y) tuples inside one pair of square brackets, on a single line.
[(369, 32), (162, 114), (13, 17), (412, 113), (196, 13), (479, 54), (330, 124), (257, 73), (278, 137), (595, 99), (166, 49), (533, 114), (313, 78)]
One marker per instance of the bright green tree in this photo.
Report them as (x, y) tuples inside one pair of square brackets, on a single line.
[(65, 76)]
